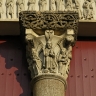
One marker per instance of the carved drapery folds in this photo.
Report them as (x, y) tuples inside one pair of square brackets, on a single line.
[(20, 6), (1, 9), (49, 53), (9, 8)]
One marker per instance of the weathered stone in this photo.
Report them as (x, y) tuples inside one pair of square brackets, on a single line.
[(49, 54), (49, 85)]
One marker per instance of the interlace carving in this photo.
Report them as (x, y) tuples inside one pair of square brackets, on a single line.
[(49, 20)]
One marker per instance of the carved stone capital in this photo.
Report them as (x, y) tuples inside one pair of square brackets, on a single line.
[(49, 39)]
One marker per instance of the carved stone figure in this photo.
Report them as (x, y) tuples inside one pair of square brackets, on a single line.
[(42, 5), (31, 5), (50, 63), (62, 61), (77, 6), (69, 39), (69, 5), (62, 5), (20, 6), (33, 59), (87, 10), (91, 12), (36, 62), (58, 5), (1, 9), (9, 8), (53, 7), (65, 55)]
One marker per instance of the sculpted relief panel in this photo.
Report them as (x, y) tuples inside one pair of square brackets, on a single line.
[(9, 9)]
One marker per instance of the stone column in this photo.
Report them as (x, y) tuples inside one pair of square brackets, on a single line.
[(49, 39), (49, 85)]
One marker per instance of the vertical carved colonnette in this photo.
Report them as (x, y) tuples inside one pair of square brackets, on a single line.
[(49, 37)]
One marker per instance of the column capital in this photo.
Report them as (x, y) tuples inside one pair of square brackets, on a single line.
[(49, 38)]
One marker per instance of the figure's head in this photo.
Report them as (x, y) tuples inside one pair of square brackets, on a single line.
[(49, 34), (63, 51), (70, 38), (29, 36), (49, 44), (33, 51)]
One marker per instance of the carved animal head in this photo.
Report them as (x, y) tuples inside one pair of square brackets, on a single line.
[(63, 51), (69, 38)]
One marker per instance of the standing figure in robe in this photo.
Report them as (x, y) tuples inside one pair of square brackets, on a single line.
[(52, 7), (20, 6), (42, 5), (1, 9), (50, 62), (77, 6), (58, 5), (69, 5), (9, 8), (31, 5), (63, 59)]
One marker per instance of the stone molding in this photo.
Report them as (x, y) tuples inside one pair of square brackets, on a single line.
[(49, 76)]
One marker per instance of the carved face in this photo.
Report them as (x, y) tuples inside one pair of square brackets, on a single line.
[(49, 45), (63, 51), (34, 51), (70, 38), (49, 34), (29, 36)]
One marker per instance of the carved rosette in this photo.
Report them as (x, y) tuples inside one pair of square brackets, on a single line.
[(47, 52)]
